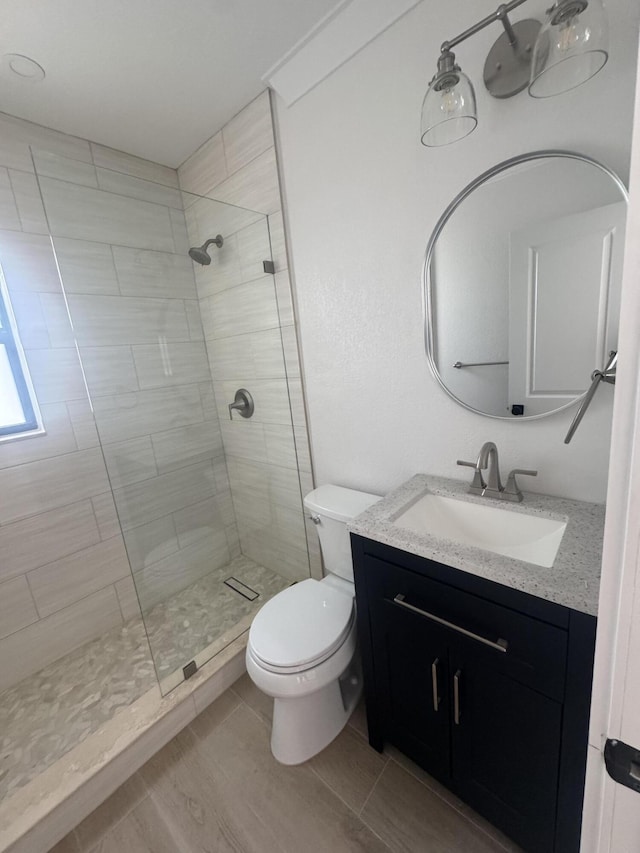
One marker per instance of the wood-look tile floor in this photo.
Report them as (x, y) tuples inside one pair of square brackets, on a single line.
[(216, 788)]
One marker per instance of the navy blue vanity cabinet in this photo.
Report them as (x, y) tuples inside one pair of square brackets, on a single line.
[(485, 687)]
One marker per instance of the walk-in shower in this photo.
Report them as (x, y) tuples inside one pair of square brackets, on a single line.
[(143, 528)]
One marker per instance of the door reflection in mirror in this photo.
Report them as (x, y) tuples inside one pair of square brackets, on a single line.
[(522, 279)]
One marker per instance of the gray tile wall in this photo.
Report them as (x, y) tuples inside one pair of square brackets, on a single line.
[(61, 551), (251, 341), (120, 240)]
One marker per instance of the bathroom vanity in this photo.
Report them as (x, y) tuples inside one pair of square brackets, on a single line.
[(478, 666)]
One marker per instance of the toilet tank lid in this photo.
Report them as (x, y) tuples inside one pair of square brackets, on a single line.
[(339, 503)]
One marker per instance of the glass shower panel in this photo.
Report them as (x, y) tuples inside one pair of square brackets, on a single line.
[(209, 501), (72, 652)]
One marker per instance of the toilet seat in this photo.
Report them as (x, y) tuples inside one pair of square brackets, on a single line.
[(301, 627)]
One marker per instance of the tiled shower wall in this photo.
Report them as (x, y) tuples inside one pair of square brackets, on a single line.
[(250, 332), (121, 244), (122, 248), (64, 575)]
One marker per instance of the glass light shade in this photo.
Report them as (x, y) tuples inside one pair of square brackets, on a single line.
[(448, 109), (571, 48)]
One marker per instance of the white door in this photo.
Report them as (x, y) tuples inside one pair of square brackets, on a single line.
[(562, 290), (611, 819)]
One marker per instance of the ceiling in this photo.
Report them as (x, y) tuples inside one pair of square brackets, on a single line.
[(154, 78)]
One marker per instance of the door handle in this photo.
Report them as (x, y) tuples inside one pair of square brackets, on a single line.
[(456, 698), (434, 684), (500, 645), (623, 763)]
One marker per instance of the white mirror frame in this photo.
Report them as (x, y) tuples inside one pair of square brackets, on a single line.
[(427, 296)]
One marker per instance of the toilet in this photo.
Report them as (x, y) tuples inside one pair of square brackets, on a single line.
[(302, 643)]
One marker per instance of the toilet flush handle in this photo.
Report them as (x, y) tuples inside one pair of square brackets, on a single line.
[(315, 518)]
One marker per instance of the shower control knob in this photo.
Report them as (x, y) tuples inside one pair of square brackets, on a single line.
[(242, 403)]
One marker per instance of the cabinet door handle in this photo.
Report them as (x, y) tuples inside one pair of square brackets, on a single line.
[(456, 698), (434, 684), (499, 645)]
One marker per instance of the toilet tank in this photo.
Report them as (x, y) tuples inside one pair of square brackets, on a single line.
[(334, 506)]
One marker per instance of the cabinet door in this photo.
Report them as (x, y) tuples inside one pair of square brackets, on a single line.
[(505, 749), (412, 678)]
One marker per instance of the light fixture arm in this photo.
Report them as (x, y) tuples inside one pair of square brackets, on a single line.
[(506, 23), (500, 14)]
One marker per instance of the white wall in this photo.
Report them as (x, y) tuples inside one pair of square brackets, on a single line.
[(362, 196)]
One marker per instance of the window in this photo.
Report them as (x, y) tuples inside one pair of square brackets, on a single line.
[(19, 414)]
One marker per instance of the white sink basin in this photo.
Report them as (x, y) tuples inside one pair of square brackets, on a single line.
[(514, 534)]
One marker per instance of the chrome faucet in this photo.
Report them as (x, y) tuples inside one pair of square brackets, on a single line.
[(488, 460), (492, 488)]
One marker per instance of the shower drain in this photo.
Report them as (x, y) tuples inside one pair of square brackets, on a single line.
[(242, 589)]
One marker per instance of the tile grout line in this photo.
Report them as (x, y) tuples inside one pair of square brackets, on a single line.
[(33, 598), (47, 459), (328, 785), (359, 732), (115, 270), (488, 835), (360, 813), (254, 712), (119, 821), (66, 607), (221, 721), (375, 785), (357, 814), (451, 805), (120, 194), (231, 174), (224, 156), (377, 835), (99, 242), (15, 198)]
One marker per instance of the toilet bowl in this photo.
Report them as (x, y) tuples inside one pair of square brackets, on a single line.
[(302, 646)]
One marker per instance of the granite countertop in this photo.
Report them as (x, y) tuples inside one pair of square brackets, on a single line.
[(574, 578)]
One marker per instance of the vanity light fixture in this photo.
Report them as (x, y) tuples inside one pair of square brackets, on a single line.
[(449, 108), (571, 48), (564, 53)]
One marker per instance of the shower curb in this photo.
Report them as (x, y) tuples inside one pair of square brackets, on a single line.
[(45, 810)]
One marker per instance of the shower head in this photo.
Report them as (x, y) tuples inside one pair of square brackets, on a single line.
[(200, 255)]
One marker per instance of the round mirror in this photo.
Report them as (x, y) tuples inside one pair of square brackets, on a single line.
[(522, 281)]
